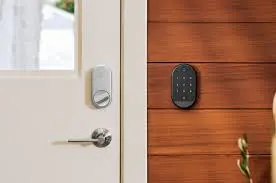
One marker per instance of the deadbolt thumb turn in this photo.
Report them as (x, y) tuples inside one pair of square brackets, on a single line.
[(101, 137)]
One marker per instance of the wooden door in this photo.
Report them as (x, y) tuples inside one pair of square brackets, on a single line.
[(231, 43)]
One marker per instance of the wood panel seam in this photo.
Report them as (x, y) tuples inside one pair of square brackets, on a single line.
[(202, 155), (210, 109), (200, 62), (210, 22)]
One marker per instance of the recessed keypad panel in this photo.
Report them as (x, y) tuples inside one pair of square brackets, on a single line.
[(184, 86)]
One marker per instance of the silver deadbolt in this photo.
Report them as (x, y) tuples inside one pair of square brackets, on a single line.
[(101, 137), (101, 99), (101, 86)]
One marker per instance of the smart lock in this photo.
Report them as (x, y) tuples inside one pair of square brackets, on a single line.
[(101, 86), (184, 86)]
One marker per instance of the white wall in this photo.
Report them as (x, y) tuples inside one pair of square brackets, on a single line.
[(20, 33), (39, 36), (6, 32)]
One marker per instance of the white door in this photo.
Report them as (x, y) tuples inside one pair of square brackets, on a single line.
[(42, 107)]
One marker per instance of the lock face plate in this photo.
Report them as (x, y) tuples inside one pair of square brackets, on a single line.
[(184, 86), (101, 86)]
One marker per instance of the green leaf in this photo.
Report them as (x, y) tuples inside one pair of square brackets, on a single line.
[(243, 163), (244, 170), (67, 6)]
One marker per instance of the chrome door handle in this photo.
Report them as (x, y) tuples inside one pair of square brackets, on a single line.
[(101, 137)]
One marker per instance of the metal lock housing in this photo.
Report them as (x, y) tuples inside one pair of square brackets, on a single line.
[(101, 86)]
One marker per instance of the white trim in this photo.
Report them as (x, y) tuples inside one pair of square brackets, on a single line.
[(134, 91)]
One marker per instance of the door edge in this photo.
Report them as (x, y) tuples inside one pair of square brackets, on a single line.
[(134, 91)]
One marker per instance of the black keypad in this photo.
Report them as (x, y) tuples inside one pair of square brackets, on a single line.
[(184, 86)]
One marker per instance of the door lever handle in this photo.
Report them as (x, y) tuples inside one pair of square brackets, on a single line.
[(101, 137), (82, 140)]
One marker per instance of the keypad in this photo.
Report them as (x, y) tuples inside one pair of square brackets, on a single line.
[(184, 86)]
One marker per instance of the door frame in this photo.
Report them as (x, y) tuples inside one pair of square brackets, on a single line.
[(134, 91)]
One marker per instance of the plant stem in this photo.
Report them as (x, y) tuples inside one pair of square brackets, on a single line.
[(243, 163)]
